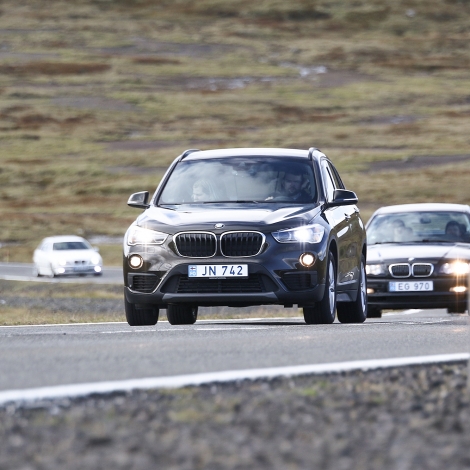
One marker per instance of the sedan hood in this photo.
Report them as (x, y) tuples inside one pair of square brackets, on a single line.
[(176, 218), (399, 252)]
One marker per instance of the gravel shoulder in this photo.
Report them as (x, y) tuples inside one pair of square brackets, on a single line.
[(400, 418)]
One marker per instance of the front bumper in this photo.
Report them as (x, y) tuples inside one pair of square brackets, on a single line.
[(440, 297), (75, 271), (275, 276)]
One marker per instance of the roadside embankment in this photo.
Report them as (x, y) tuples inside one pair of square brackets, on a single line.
[(397, 418)]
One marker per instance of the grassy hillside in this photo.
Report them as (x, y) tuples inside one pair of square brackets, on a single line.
[(97, 97)]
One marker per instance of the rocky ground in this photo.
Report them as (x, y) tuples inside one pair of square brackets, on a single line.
[(400, 418)]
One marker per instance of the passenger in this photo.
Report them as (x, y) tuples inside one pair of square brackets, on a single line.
[(401, 233), (202, 191)]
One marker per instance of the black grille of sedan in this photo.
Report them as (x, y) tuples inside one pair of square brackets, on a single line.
[(252, 284), (235, 244), (422, 269), (400, 270), (196, 244)]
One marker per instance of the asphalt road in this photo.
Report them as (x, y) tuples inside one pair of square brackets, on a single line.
[(36, 356), (23, 272)]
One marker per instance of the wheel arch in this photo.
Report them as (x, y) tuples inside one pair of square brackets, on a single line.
[(333, 247)]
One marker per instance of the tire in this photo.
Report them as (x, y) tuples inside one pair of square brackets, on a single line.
[(181, 314), (52, 274), (324, 311), (355, 312), (457, 309), (374, 312), (141, 316)]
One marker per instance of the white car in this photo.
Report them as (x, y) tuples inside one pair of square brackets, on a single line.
[(66, 255)]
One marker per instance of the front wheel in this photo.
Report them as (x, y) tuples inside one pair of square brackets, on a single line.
[(457, 309), (325, 310), (374, 312), (355, 312), (181, 314), (142, 315)]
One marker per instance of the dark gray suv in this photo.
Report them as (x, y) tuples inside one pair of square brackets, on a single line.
[(243, 227)]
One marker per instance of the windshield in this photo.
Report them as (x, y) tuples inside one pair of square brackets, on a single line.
[(241, 179), (409, 227), (70, 246)]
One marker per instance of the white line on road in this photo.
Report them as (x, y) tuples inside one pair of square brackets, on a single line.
[(77, 390)]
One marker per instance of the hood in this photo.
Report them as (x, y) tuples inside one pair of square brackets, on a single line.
[(399, 252), (75, 255), (234, 217)]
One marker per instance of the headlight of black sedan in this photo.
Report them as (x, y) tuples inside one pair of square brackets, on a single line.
[(456, 268)]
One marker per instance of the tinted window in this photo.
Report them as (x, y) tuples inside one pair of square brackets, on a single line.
[(419, 226), (261, 179), (70, 246)]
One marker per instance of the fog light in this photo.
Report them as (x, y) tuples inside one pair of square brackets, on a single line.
[(458, 289), (97, 269), (307, 259), (370, 290), (60, 270), (136, 261)]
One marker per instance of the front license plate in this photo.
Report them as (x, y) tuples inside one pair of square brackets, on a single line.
[(410, 286), (218, 270), (79, 269)]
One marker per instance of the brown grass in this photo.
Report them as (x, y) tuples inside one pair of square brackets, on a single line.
[(213, 73)]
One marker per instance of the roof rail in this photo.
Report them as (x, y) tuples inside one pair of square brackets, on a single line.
[(310, 152), (187, 152)]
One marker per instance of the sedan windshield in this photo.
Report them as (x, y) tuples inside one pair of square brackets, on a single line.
[(409, 227), (70, 246), (241, 179)]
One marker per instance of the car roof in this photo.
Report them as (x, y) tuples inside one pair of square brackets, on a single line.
[(246, 152), (433, 207), (65, 238)]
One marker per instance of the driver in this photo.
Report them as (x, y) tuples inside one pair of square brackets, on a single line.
[(292, 188)]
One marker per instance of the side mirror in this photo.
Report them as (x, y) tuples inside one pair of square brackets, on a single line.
[(139, 200), (343, 197), (95, 248)]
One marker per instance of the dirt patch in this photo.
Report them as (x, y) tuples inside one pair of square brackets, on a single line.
[(155, 60), (126, 145), (167, 48), (416, 162), (53, 68), (93, 102)]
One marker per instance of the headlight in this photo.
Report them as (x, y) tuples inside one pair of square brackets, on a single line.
[(306, 234), (144, 236), (95, 259), (61, 261), (457, 268), (375, 269)]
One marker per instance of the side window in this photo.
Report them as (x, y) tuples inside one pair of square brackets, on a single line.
[(327, 181), (335, 175)]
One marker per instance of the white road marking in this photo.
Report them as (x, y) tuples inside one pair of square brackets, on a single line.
[(404, 312), (177, 381)]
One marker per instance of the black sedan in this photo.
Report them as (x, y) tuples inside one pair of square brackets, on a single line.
[(244, 227), (418, 257)]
